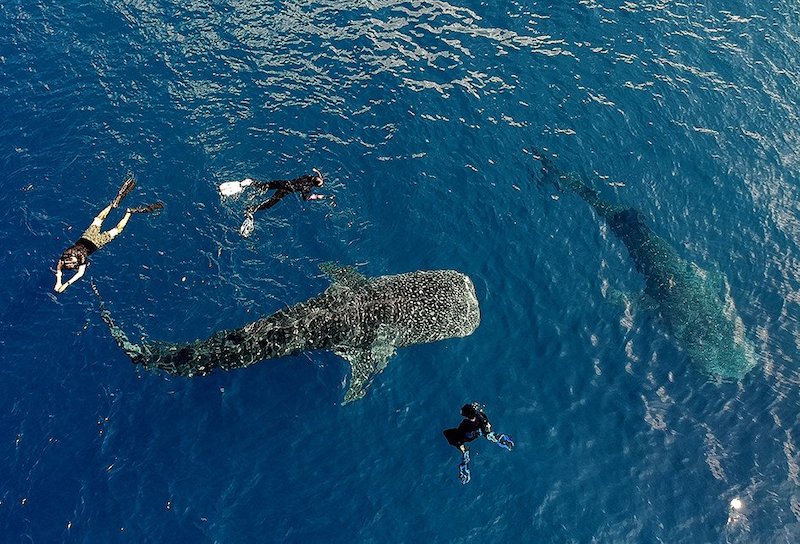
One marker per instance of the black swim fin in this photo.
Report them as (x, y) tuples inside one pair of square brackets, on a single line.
[(127, 187), (147, 209)]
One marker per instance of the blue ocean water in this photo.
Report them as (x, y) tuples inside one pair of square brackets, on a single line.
[(424, 117)]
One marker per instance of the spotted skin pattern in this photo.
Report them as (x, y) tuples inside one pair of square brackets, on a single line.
[(361, 319)]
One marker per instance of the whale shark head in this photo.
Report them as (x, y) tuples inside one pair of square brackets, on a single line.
[(721, 354), (388, 312)]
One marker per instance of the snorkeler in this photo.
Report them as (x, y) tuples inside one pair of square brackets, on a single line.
[(77, 255), (303, 185), (475, 424)]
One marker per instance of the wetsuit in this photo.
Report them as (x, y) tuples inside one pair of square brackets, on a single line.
[(468, 430), (303, 185)]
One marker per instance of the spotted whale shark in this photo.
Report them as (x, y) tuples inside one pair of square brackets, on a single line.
[(363, 320), (696, 304)]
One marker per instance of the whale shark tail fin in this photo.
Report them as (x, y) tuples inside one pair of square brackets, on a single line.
[(562, 181), (134, 351), (365, 364), (549, 174)]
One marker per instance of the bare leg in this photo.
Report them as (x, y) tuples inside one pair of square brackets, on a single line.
[(121, 225), (98, 221)]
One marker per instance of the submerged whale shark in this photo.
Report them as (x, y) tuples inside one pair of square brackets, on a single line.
[(363, 320), (695, 303)]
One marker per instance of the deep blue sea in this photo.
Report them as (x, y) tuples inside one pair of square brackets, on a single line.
[(426, 118)]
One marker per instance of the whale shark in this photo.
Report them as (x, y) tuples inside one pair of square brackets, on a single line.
[(696, 304), (363, 320)]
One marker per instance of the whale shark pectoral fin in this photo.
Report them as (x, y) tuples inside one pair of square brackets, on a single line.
[(619, 298), (630, 302), (347, 276), (646, 302), (365, 364)]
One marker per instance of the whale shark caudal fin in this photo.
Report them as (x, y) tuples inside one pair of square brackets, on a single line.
[(561, 180), (134, 351)]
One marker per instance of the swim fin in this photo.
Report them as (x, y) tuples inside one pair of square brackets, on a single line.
[(232, 188), (127, 187), (463, 469), (502, 440), (147, 209), (247, 226)]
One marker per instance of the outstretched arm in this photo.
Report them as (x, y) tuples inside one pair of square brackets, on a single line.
[(58, 285), (72, 280), (318, 181)]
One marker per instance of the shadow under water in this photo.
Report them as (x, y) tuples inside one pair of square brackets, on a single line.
[(696, 304)]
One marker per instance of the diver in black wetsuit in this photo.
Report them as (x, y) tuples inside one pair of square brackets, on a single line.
[(304, 185), (475, 425)]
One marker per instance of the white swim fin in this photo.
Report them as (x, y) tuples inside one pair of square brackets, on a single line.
[(247, 226), (231, 188)]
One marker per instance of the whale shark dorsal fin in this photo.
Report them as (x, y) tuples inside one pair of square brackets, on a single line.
[(346, 276), (365, 364)]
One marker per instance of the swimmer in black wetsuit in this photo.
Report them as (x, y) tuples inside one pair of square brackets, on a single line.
[(475, 425), (304, 185), (76, 257)]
